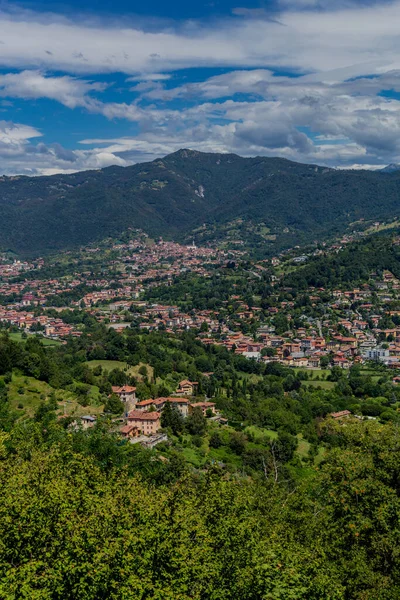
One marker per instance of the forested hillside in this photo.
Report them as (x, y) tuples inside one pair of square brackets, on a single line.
[(351, 266), (180, 193)]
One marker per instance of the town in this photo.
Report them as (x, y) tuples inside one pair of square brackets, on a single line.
[(247, 307), (338, 327)]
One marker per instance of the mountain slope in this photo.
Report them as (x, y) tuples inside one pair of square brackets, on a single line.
[(176, 194)]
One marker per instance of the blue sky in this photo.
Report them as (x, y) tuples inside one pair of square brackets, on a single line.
[(91, 84), (151, 9)]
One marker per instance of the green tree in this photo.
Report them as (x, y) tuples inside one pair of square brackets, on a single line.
[(114, 405), (172, 418), (196, 422)]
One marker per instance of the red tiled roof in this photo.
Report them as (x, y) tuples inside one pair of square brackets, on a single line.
[(127, 428), (342, 413), (149, 402), (138, 415), (203, 404), (127, 389)]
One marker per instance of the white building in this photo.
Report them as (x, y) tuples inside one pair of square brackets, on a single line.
[(378, 354)]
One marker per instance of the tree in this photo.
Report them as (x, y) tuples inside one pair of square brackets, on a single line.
[(172, 418), (268, 352), (286, 446), (324, 362), (114, 405), (237, 442), (335, 374), (143, 371), (196, 422), (215, 440), (117, 377)]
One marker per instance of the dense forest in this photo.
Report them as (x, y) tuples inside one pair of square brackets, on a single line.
[(351, 266), (73, 528)]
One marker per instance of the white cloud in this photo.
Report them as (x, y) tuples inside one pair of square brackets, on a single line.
[(308, 40), (14, 138), (150, 77), (30, 85), (298, 118), (332, 114), (20, 155)]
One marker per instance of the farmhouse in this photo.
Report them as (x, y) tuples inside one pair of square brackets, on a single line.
[(187, 388), (127, 395), (147, 423)]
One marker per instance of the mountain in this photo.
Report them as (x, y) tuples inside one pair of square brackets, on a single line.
[(176, 195), (392, 168)]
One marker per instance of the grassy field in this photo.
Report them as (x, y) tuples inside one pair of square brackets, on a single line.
[(224, 455), (313, 372), (382, 227), (320, 456), (251, 377), (26, 393), (259, 432), (17, 337), (109, 365), (304, 447)]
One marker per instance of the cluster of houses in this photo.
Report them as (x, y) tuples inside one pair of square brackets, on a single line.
[(52, 328), (138, 266), (143, 418), (345, 335), (9, 269)]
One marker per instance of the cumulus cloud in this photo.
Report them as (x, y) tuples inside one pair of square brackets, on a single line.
[(20, 154), (307, 40), (329, 122), (14, 138), (70, 91), (292, 116), (331, 110)]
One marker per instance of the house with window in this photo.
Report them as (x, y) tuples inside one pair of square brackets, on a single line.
[(127, 395), (204, 406), (181, 404), (343, 414), (187, 388), (147, 423), (151, 404), (88, 421), (159, 403), (129, 431)]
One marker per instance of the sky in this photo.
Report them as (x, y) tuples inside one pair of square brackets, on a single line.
[(86, 84)]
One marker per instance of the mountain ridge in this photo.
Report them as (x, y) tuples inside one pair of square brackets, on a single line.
[(175, 195)]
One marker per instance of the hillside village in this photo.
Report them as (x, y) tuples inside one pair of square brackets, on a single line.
[(350, 328), (217, 293)]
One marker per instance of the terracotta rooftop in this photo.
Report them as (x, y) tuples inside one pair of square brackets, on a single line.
[(139, 415)]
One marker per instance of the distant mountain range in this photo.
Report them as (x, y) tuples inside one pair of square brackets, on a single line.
[(184, 191), (392, 168)]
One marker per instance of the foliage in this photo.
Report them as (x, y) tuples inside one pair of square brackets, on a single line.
[(160, 197), (172, 418)]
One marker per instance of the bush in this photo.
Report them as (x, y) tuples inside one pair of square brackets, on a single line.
[(197, 441), (237, 443), (215, 440)]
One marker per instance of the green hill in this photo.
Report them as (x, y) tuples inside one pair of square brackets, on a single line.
[(183, 191), (352, 266)]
